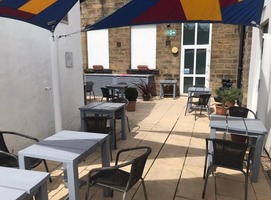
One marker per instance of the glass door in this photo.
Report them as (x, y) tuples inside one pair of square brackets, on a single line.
[(195, 55)]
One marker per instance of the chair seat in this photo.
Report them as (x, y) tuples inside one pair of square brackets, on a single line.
[(114, 178)]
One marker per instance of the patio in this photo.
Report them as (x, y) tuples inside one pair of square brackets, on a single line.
[(175, 167)]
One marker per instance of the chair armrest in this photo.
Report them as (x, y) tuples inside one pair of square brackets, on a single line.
[(8, 154), (20, 134), (94, 170), (125, 150)]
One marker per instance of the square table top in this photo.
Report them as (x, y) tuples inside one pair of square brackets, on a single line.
[(25, 180), (65, 146), (102, 107), (243, 125)]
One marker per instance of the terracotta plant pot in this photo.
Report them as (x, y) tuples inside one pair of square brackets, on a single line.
[(131, 107), (221, 110)]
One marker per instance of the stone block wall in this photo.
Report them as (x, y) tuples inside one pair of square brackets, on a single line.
[(224, 49)]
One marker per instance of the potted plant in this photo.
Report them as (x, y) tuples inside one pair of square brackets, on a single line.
[(131, 95), (227, 98), (145, 89)]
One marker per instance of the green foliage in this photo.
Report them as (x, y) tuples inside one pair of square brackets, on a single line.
[(131, 94), (232, 94), (144, 88)]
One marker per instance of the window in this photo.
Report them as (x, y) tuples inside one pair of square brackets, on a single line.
[(143, 46)]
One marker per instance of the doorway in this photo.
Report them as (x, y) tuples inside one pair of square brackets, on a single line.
[(195, 55)]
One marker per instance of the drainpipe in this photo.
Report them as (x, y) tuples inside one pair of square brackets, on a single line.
[(241, 56)]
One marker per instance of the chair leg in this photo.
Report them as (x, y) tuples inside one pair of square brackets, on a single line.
[(128, 124), (47, 170), (246, 185), (195, 113), (206, 180), (124, 195), (144, 189), (186, 106)]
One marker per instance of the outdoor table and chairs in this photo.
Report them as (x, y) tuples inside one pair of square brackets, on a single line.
[(70, 148), (196, 91), (106, 108), (23, 184), (120, 87), (243, 126)]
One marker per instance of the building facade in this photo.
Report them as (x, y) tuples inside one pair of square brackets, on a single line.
[(205, 52)]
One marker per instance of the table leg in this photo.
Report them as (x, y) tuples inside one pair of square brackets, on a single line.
[(188, 106), (73, 180), (82, 115), (123, 123), (112, 125), (174, 91), (42, 193), (24, 162), (257, 158), (106, 161), (161, 91)]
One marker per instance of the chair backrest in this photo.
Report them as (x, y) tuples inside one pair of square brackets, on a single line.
[(120, 100), (204, 99), (228, 154), (96, 123), (89, 86), (238, 111), (138, 166), (3, 145), (105, 91)]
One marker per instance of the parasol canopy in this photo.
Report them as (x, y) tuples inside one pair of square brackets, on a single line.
[(43, 13), (139, 12)]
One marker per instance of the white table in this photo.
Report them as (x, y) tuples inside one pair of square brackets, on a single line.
[(70, 148), (106, 108), (24, 182), (242, 126), (11, 194), (168, 82), (196, 90)]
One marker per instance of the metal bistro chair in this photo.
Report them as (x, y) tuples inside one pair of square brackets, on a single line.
[(107, 95), (227, 154), (118, 113), (89, 90), (115, 178), (9, 159), (98, 124), (203, 102), (238, 111)]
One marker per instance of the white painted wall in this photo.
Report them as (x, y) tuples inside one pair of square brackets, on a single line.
[(260, 69), (25, 105)]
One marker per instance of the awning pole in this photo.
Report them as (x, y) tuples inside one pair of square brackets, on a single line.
[(56, 83)]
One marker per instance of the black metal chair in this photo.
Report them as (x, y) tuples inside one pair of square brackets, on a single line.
[(106, 94), (118, 113), (89, 89), (227, 154), (9, 159), (238, 111), (98, 124), (115, 178), (203, 102)]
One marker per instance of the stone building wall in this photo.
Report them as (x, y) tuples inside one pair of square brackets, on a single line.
[(224, 54), (224, 49)]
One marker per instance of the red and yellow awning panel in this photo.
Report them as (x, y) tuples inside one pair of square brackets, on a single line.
[(243, 12), (44, 13)]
